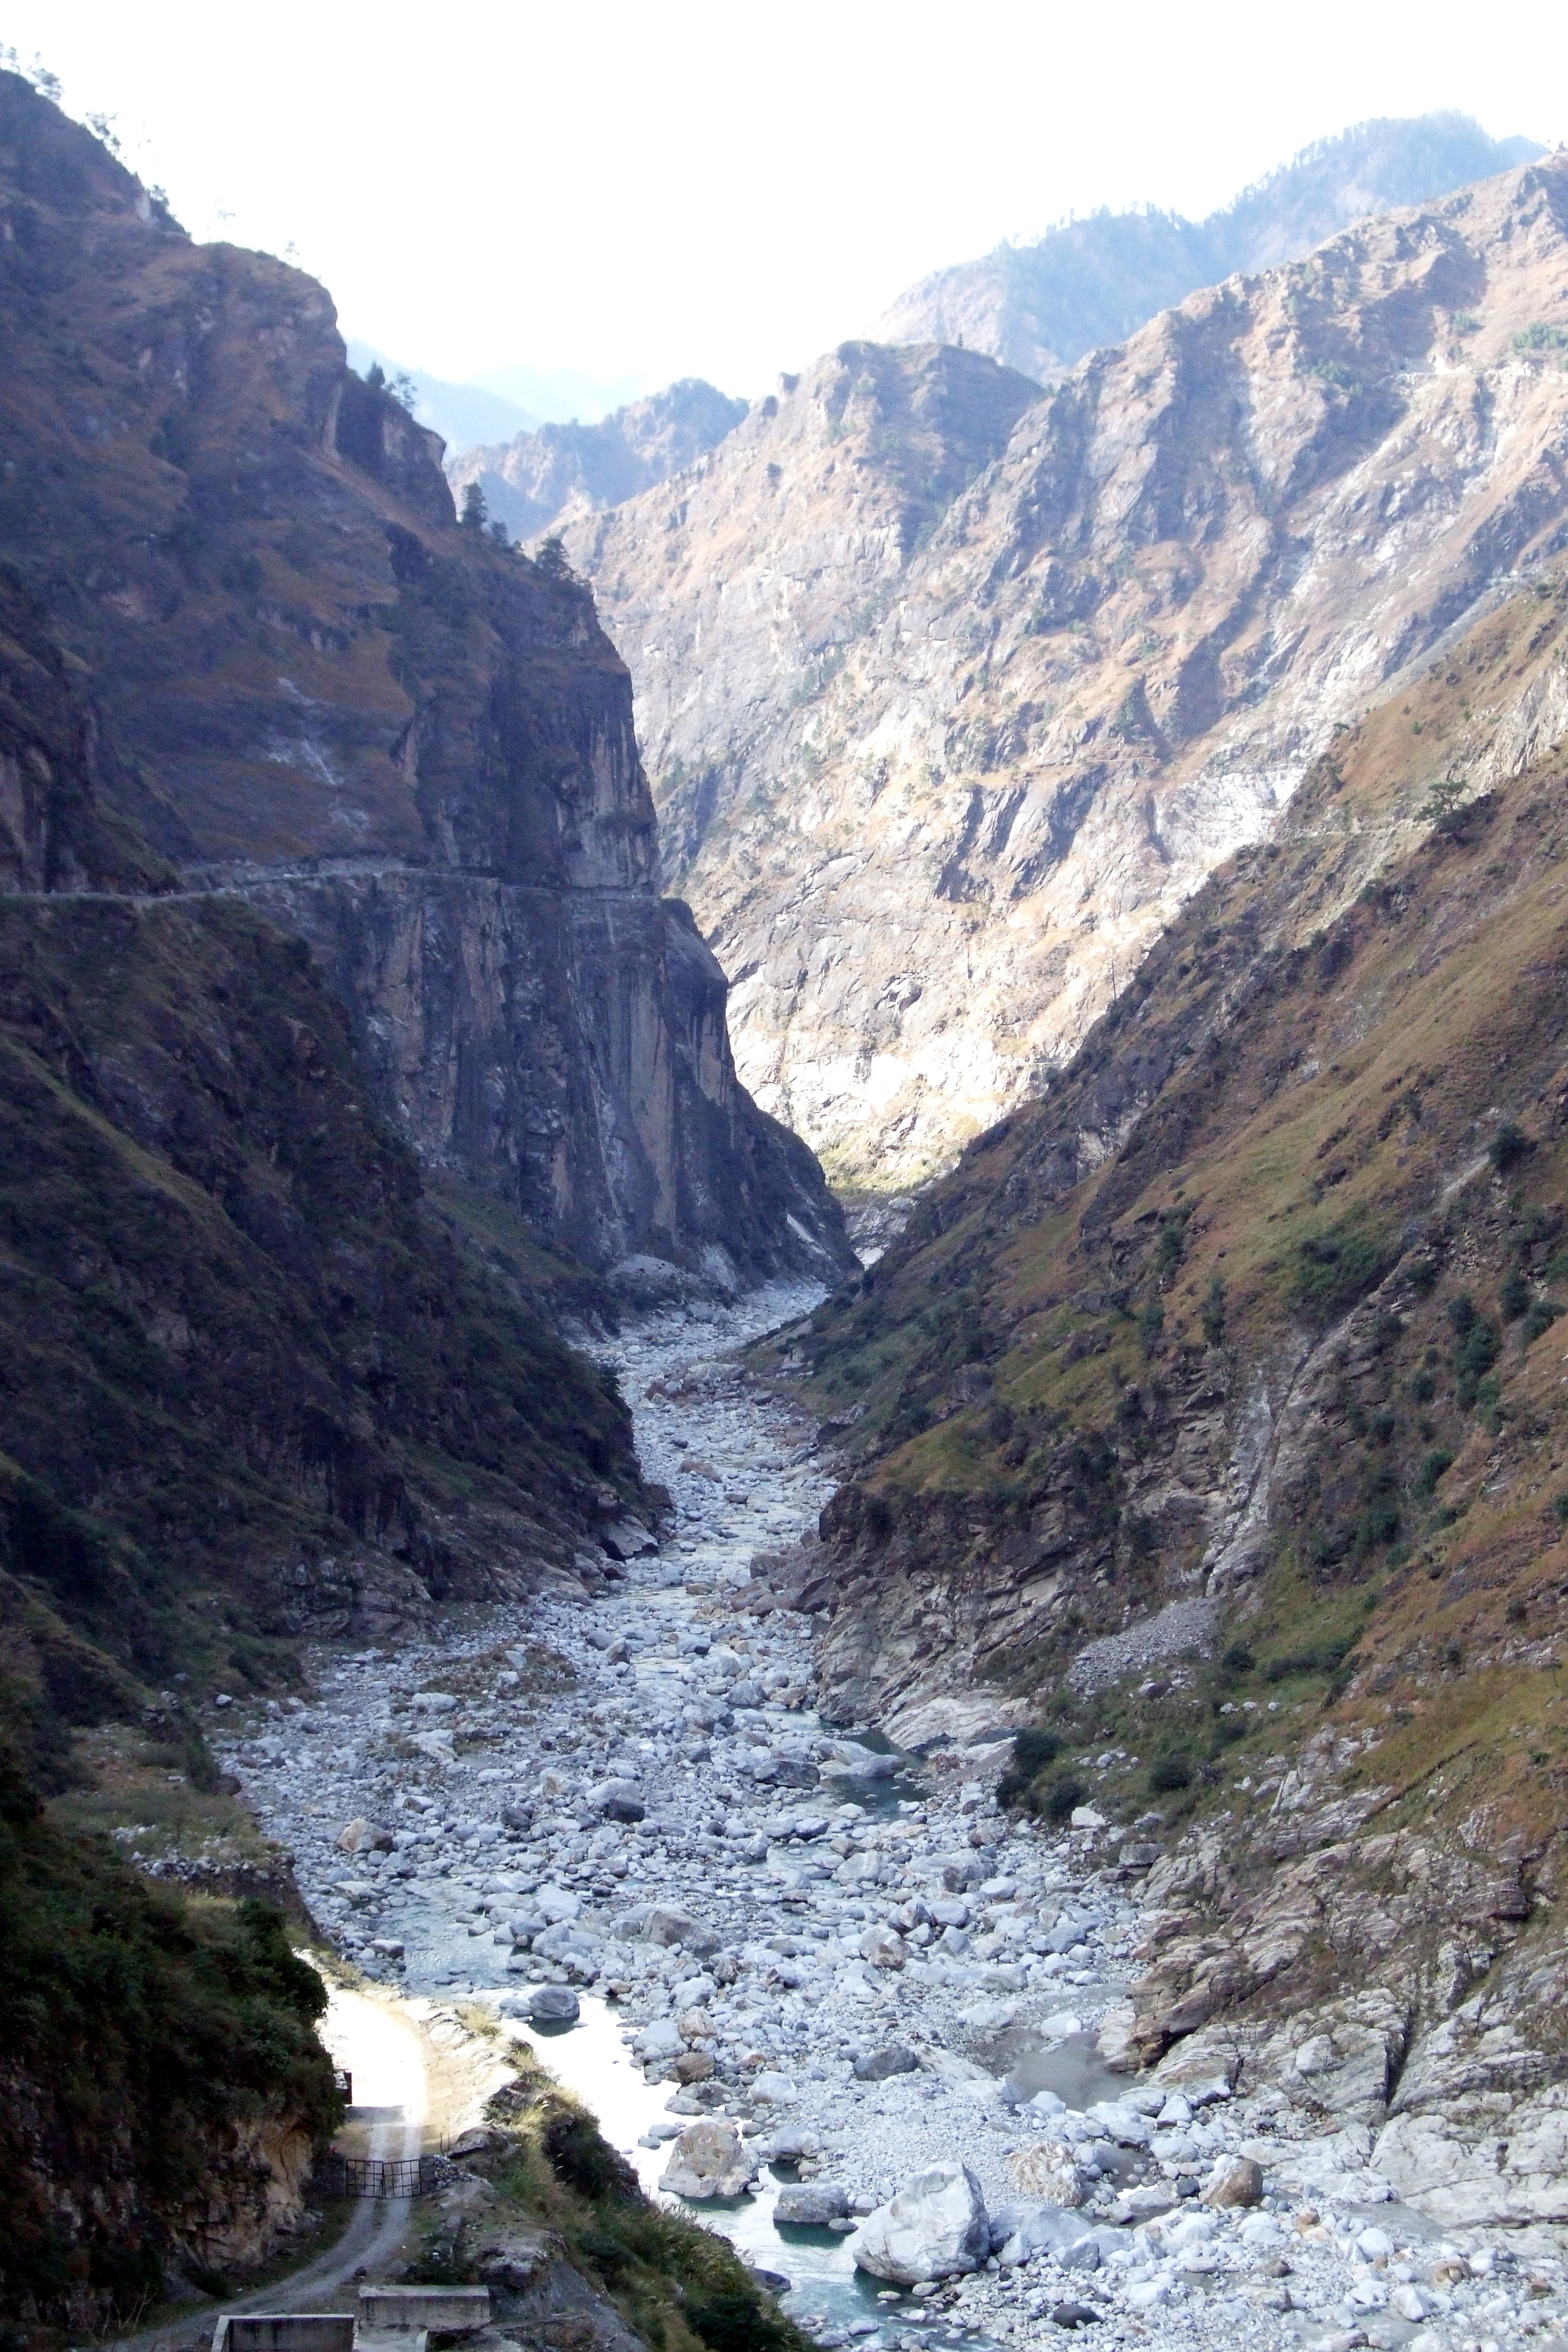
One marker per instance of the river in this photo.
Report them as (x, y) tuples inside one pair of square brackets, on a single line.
[(871, 1967)]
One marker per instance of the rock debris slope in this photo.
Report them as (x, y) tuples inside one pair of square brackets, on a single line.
[(858, 1985), (405, 743), (1041, 305), (934, 789)]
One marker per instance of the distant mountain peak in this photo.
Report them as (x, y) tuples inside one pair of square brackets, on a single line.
[(540, 477), (1087, 282)]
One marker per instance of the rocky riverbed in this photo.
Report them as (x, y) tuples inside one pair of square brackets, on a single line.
[(850, 1975)]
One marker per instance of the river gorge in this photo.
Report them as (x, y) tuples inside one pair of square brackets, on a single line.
[(615, 1825)]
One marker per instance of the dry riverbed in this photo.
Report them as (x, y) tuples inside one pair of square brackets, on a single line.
[(852, 1957)]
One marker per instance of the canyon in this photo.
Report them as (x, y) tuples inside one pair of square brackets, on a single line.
[(1047, 1735), (348, 1046), (953, 695)]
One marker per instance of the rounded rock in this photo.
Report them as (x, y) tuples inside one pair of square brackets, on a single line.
[(1234, 2180)]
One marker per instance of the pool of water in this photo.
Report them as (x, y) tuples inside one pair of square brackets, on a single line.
[(592, 2061), (1073, 2069)]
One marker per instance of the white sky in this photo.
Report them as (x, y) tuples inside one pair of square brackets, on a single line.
[(683, 188)]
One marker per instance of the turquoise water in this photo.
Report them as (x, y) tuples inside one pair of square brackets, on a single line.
[(592, 2061)]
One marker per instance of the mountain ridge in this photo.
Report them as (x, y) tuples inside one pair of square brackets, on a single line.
[(540, 478), (933, 800), (1041, 304)]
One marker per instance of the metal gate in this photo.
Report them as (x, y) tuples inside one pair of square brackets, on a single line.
[(372, 2176)]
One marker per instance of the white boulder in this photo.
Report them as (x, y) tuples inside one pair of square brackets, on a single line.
[(708, 2160), (935, 2227)]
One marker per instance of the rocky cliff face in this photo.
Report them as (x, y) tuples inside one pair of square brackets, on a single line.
[(164, 2090), (550, 475), (311, 688), (1041, 306), (940, 761), (1211, 1418)]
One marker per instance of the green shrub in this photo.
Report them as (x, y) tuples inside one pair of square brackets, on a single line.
[(1032, 1751), (584, 2159), (1508, 1145), (1335, 1268), (1316, 1658), (1063, 1797), (1513, 1295), (1169, 1771), (1539, 337), (1478, 1344), (1433, 1466), (1239, 1659), (735, 2322)]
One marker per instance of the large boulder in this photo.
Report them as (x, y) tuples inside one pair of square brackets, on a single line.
[(879, 2065), (935, 2227), (617, 1800), (667, 1926), (1048, 2171), (629, 1539), (810, 2204), (1049, 2230), (1234, 2180), (553, 2004), (708, 2160)]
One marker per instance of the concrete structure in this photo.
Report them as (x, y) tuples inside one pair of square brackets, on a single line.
[(388, 2319)]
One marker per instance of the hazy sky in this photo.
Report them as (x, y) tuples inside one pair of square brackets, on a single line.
[(656, 190)]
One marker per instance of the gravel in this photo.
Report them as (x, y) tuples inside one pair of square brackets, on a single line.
[(862, 1964)]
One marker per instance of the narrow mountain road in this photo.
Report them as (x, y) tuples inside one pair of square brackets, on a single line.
[(385, 2056), (386, 2059)]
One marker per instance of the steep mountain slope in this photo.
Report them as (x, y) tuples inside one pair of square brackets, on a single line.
[(547, 476), (937, 782), (164, 2090), (324, 851), (736, 589), (1041, 306), (1213, 1413), (404, 742)]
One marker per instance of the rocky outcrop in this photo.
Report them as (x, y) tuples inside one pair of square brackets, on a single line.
[(546, 477), (934, 789), (311, 688), (1040, 306)]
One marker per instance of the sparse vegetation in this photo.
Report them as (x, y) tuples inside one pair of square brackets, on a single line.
[(1539, 338), (675, 2282)]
